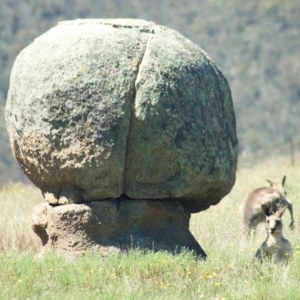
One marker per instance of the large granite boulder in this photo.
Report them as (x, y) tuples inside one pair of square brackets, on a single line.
[(99, 109)]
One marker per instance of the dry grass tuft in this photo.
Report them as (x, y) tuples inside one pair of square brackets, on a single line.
[(17, 202)]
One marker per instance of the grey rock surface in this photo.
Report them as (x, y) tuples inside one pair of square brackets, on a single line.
[(102, 108), (114, 225)]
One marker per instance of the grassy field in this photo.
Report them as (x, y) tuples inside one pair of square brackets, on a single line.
[(229, 273)]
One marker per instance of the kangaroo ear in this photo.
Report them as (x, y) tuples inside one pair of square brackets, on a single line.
[(280, 212), (283, 180), (270, 182), (266, 209)]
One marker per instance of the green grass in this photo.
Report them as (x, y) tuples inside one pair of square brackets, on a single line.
[(137, 275), (229, 273)]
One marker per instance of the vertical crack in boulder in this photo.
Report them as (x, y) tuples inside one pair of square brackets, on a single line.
[(132, 115)]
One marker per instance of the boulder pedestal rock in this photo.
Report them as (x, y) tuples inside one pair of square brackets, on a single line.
[(104, 109), (112, 225)]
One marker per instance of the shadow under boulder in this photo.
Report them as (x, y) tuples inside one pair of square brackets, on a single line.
[(115, 225)]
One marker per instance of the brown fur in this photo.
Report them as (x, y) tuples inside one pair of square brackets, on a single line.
[(275, 246), (274, 196)]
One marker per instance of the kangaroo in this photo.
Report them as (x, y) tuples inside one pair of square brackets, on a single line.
[(275, 245), (251, 211)]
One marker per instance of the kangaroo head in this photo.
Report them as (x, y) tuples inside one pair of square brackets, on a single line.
[(279, 187), (273, 220)]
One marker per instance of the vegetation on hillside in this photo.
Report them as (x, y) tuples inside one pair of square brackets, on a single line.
[(255, 43)]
